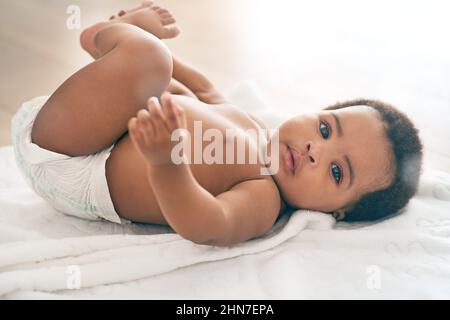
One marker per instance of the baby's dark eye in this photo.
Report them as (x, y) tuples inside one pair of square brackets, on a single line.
[(336, 172), (324, 128)]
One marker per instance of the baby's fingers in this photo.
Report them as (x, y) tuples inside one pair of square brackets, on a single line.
[(135, 133), (172, 112), (157, 116), (145, 125)]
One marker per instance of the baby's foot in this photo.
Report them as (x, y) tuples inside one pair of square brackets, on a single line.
[(154, 19), (151, 129), (144, 4)]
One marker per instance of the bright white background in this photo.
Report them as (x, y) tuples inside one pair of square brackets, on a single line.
[(302, 54)]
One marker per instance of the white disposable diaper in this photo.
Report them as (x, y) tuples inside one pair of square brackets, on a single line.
[(73, 185)]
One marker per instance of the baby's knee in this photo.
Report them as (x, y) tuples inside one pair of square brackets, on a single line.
[(136, 45), (150, 56)]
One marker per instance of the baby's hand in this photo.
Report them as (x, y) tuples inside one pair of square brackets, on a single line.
[(151, 129)]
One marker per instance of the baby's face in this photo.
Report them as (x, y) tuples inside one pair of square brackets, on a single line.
[(339, 155)]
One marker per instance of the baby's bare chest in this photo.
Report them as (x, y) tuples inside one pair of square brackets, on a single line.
[(217, 160), (224, 145)]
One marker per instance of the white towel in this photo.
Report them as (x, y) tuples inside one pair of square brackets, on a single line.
[(45, 265)]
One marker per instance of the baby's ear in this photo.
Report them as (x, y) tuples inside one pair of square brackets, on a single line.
[(339, 214)]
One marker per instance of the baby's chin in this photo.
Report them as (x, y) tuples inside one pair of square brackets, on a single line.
[(280, 181), (290, 194)]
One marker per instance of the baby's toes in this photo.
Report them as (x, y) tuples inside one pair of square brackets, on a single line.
[(170, 32), (163, 12), (147, 3), (168, 20), (156, 8)]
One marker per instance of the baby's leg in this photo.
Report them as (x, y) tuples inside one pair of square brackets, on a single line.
[(91, 109)]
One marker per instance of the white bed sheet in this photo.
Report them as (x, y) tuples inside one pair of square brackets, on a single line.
[(405, 257)]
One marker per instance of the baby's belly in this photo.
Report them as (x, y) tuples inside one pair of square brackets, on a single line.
[(130, 191)]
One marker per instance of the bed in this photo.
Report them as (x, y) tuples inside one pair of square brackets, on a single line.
[(46, 254)]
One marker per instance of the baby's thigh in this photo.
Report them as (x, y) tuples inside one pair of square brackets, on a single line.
[(91, 109)]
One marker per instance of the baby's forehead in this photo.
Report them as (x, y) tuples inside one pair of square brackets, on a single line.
[(359, 115), (369, 146), (357, 110)]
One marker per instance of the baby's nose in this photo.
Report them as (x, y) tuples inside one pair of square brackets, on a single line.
[(313, 153)]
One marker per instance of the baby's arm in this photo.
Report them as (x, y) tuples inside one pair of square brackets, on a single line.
[(197, 82), (176, 87), (248, 210)]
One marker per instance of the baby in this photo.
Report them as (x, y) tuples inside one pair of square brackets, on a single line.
[(102, 145)]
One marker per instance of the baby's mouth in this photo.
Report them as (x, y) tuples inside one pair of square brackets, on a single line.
[(296, 159), (290, 160)]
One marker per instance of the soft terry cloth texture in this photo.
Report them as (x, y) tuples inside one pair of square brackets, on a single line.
[(404, 257)]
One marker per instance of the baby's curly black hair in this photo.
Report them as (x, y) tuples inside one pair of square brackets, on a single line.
[(407, 151)]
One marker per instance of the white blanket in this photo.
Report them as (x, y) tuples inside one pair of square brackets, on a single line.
[(39, 251), (46, 254)]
